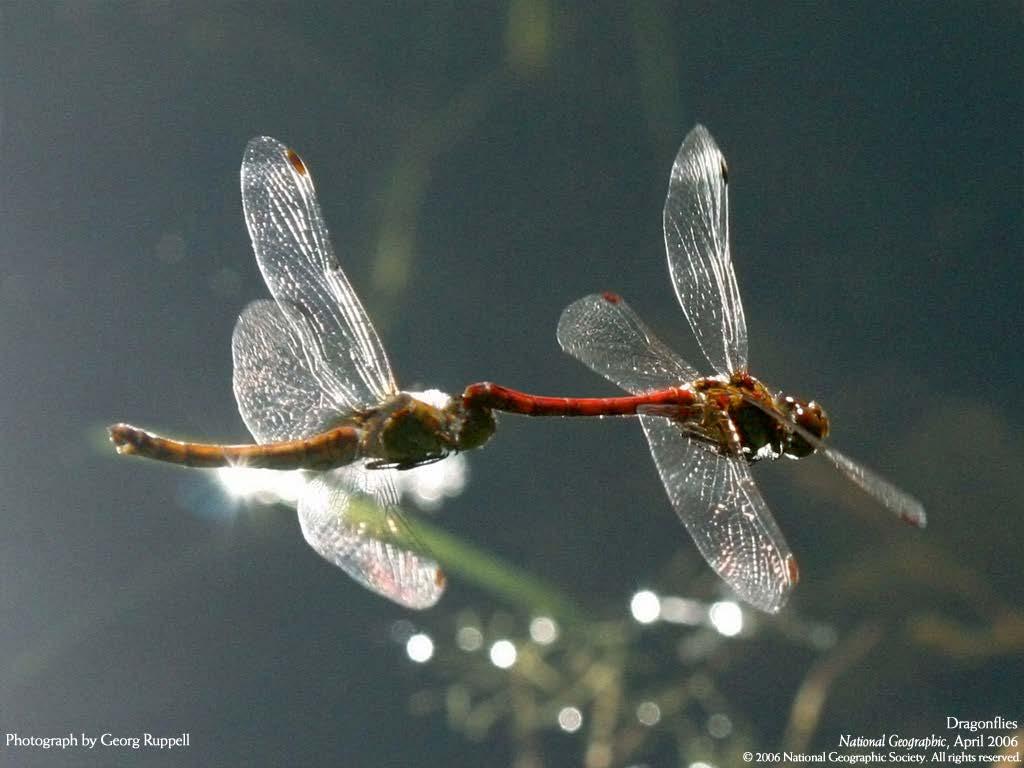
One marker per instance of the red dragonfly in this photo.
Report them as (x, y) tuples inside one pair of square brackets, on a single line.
[(704, 431), (315, 389)]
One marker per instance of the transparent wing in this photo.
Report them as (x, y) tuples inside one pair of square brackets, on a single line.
[(909, 509), (346, 516), (718, 502), (301, 271), (603, 333), (905, 506), (279, 387), (696, 221)]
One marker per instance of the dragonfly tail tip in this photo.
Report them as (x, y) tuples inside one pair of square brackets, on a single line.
[(123, 436)]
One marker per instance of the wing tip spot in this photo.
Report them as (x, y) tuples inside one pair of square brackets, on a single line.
[(611, 298), (792, 571), (914, 517), (296, 162)]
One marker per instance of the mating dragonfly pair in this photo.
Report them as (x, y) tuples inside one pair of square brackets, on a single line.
[(315, 388)]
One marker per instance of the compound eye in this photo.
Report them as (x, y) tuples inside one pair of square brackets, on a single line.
[(813, 418)]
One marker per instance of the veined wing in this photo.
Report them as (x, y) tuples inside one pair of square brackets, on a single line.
[(345, 516), (718, 502), (298, 264), (696, 221), (603, 333), (283, 392)]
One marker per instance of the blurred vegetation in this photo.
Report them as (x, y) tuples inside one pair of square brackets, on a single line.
[(646, 691)]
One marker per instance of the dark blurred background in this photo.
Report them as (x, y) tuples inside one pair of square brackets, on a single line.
[(480, 166)]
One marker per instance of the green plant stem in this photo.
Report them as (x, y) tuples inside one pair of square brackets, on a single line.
[(482, 569)]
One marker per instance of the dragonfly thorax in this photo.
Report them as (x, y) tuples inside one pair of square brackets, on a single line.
[(729, 422), (406, 431), (741, 415)]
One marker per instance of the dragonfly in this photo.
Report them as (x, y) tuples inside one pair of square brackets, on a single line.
[(314, 387), (704, 432)]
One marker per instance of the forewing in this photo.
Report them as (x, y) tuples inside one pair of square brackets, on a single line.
[(298, 264), (603, 333), (718, 502), (696, 221), (337, 524), (280, 388)]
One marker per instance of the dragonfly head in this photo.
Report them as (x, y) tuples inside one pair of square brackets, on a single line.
[(474, 425), (810, 416)]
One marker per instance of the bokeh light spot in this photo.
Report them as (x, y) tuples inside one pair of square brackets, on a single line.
[(420, 648), (543, 630), (648, 713), (727, 617), (719, 726), (570, 719), (645, 606), (503, 654)]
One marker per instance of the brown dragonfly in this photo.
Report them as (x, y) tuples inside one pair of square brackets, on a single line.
[(314, 387)]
